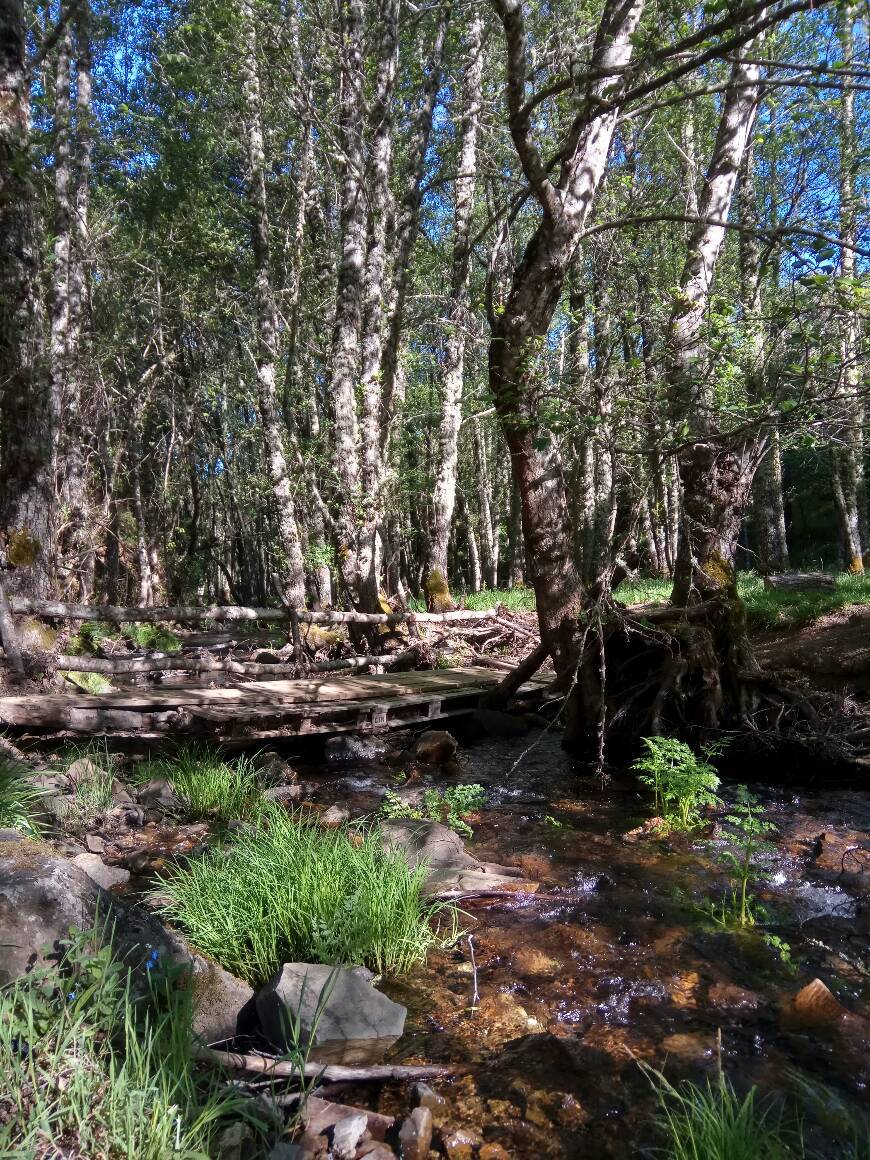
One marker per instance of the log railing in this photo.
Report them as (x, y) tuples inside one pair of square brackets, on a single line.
[(61, 610)]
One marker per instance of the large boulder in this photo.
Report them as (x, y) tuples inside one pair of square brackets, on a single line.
[(451, 870), (338, 1011), (43, 897), (435, 747)]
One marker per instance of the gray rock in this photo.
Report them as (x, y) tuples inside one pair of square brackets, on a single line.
[(427, 1097), (284, 1151), (121, 795), (347, 1135), (349, 750), (356, 1021), (7, 835), (335, 816), (83, 769), (105, 876), (451, 869), (415, 1135), (158, 794), (435, 747), (95, 843), (235, 1142), (283, 793), (43, 896)]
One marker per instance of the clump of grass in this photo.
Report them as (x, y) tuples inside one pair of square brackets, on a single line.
[(712, 1122), (92, 1068), (19, 798), (206, 785), (92, 793), (290, 890)]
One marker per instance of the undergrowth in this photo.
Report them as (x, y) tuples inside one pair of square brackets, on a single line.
[(291, 891), (518, 599), (92, 792), (93, 1069)]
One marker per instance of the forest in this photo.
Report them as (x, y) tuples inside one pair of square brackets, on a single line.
[(435, 676)]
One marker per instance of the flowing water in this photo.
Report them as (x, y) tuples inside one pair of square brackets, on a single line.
[(612, 961)]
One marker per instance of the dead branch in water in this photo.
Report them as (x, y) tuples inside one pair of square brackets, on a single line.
[(335, 1073)]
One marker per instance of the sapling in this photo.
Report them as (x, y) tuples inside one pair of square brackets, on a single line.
[(683, 784)]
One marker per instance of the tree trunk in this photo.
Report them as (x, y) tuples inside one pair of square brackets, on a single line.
[(29, 413), (458, 314), (715, 478), (847, 454), (519, 331), (267, 319)]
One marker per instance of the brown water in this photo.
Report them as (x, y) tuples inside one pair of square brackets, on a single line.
[(611, 962)]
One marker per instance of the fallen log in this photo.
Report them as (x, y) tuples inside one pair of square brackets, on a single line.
[(266, 1065), (799, 581), (118, 666), (63, 610), (524, 671)]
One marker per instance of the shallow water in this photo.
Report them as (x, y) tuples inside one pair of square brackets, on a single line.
[(612, 962)]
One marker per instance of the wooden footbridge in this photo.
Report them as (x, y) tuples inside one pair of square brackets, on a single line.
[(366, 703)]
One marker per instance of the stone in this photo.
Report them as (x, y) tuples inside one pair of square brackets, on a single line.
[(492, 1151), (460, 1145), (121, 795), (42, 897), (815, 1006), (435, 747), (83, 769), (347, 749), (157, 794), (531, 961), (415, 1135), (504, 1017), (105, 876), (730, 997), (7, 835), (284, 1151), (276, 770), (355, 1021), (347, 1135), (427, 1097), (283, 793), (450, 868), (375, 1150), (334, 817), (497, 724), (95, 843), (235, 1142)]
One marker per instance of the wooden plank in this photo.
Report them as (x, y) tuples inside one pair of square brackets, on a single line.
[(314, 699)]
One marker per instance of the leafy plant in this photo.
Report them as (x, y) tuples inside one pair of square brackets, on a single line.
[(712, 1122), (682, 784), (208, 787), (290, 890), (450, 806), (19, 798), (747, 841), (94, 1067), (151, 636)]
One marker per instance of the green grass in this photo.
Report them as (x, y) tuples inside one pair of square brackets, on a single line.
[(712, 1122), (515, 599), (19, 798), (766, 609), (206, 785), (93, 1069), (292, 891), (93, 794)]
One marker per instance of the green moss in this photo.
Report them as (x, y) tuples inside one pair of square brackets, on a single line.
[(22, 549), (437, 592)]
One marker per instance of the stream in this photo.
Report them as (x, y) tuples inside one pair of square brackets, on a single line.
[(612, 962)]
